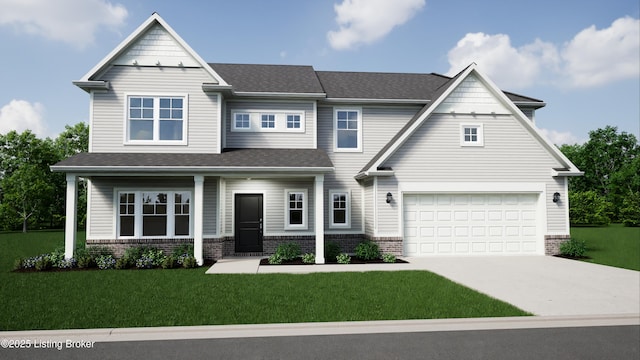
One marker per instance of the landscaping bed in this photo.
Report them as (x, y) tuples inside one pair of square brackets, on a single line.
[(354, 260)]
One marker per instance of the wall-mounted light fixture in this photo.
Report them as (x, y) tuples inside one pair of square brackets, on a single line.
[(389, 197), (556, 197)]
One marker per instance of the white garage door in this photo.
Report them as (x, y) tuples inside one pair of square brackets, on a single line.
[(470, 224)]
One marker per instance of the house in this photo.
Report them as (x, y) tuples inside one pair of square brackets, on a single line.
[(237, 158)]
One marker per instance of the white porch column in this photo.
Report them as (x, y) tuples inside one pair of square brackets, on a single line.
[(319, 218), (71, 216), (198, 218)]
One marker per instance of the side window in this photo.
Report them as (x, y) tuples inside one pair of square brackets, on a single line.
[(268, 121), (293, 121)]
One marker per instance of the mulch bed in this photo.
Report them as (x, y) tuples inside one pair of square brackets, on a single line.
[(572, 257), (354, 260)]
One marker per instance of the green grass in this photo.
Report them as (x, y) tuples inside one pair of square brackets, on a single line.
[(133, 298), (614, 245)]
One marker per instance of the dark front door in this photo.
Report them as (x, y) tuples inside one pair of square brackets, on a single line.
[(248, 227)]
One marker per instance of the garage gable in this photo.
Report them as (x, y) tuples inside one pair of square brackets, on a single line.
[(469, 94)]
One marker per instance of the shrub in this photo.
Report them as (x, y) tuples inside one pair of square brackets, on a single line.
[(57, 256), (574, 248), (156, 256), (368, 250), (288, 251), (183, 249), (105, 262), (170, 262), (133, 253), (43, 263), (309, 258), (189, 262), (17, 263), (124, 263), (331, 249), (630, 210), (275, 259), (343, 258), (388, 258)]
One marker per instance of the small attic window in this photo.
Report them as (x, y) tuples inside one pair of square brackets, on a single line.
[(471, 135)]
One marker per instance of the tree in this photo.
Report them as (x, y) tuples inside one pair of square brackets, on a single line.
[(610, 161), (27, 194)]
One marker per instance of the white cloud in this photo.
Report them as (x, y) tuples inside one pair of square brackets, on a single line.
[(365, 21), (70, 21), (560, 138), (593, 57), (21, 115), (508, 66)]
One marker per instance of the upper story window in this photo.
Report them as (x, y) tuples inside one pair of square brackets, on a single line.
[(268, 121), (242, 121), (348, 130), (255, 120), (293, 121), (471, 135), (156, 119)]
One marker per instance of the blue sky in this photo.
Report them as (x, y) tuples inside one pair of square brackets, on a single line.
[(582, 57)]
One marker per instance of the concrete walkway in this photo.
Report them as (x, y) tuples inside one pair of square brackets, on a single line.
[(542, 285)]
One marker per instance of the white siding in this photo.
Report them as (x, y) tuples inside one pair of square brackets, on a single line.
[(273, 203), (102, 208), (369, 207), (471, 96), (157, 45), (388, 223), (379, 124), (109, 108), (258, 139)]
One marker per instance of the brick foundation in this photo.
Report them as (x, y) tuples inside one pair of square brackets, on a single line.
[(552, 243), (218, 248)]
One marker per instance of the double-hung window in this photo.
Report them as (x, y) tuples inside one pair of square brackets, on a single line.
[(295, 209), (154, 214), (340, 212), (153, 119), (348, 130)]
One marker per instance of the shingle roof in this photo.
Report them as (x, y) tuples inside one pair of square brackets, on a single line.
[(264, 159), (303, 79), (270, 78), (372, 85)]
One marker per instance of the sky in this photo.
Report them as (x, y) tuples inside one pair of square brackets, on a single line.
[(581, 57)]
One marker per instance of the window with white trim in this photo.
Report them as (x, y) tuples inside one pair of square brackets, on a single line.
[(268, 121), (348, 130), (295, 209), (154, 214), (340, 209), (242, 121), (471, 135), (293, 121), (156, 119)]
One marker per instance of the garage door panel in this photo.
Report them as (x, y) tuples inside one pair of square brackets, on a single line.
[(470, 224)]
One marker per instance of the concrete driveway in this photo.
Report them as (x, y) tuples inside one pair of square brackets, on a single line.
[(544, 285)]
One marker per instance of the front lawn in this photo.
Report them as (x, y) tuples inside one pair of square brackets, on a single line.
[(614, 245), (133, 298)]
